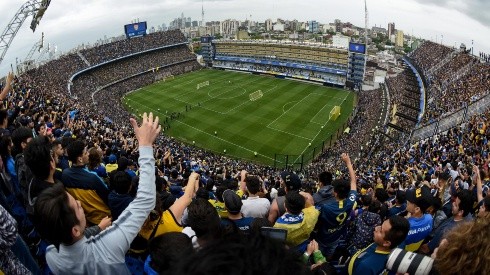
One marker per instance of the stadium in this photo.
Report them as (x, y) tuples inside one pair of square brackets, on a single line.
[(270, 152)]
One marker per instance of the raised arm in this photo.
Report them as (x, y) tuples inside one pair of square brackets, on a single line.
[(352, 174), (7, 87), (477, 179), (243, 185), (119, 236), (181, 203)]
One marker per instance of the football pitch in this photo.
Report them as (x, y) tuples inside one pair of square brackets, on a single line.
[(243, 115)]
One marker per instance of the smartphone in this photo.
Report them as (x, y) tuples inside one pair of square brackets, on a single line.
[(278, 234)]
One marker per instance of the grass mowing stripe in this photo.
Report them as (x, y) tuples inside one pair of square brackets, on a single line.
[(304, 150), (241, 124)]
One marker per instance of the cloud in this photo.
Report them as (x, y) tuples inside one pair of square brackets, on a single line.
[(476, 9), (69, 23)]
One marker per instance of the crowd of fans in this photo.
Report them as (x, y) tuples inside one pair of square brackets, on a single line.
[(430, 54), (151, 204), (461, 80), (282, 70), (485, 57), (111, 51), (405, 99), (108, 99), (355, 140), (459, 93)]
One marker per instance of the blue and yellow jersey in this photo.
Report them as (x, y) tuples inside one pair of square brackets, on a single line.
[(300, 226), (90, 190), (419, 229), (368, 261), (333, 216), (168, 223)]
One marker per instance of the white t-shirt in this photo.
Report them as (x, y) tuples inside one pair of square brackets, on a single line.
[(256, 207)]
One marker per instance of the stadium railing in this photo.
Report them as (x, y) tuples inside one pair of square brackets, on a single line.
[(452, 120), (70, 81)]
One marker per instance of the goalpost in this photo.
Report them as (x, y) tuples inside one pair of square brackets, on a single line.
[(255, 95), (164, 76), (202, 84), (334, 113)]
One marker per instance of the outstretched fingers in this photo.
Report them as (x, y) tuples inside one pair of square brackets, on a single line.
[(148, 131)]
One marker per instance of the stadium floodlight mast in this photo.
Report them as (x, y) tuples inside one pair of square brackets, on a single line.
[(36, 47), (366, 22), (36, 8)]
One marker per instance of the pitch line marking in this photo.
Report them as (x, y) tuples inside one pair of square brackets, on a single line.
[(288, 133), (283, 110), (211, 135), (319, 131), (287, 111), (311, 120)]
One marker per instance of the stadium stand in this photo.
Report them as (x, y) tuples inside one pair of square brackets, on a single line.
[(312, 62), (454, 79), (453, 164)]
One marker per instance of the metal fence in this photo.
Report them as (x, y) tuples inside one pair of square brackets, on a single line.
[(453, 120)]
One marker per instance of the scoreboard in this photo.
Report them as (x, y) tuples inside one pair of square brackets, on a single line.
[(206, 39), (135, 29), (357, 48)]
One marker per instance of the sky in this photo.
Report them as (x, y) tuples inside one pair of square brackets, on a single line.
[(68, 23)]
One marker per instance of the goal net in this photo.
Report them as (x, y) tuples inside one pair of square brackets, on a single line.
[(202, 84), (256, 95), (334, 113)]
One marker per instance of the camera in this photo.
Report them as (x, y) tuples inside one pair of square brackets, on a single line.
[(402, 261)]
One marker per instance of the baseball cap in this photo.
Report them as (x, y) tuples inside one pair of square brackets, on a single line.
[(112, 158), (291, 180), (420, 196), (233, 202)]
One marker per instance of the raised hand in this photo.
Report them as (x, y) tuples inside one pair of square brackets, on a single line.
[(148, 131), (345, 157)]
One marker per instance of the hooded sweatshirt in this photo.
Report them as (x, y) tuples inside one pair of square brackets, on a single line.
[(323, 195)]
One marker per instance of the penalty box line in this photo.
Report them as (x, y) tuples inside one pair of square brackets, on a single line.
[(319, 131)]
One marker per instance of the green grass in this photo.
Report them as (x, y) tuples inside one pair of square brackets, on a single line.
[(288, 117)]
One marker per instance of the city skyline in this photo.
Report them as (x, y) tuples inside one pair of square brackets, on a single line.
[(67, 24)]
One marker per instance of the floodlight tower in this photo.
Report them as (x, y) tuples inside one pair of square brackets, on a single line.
[(36, 47), (36, 8), (202, 13), (366, 22), (41, 54)]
